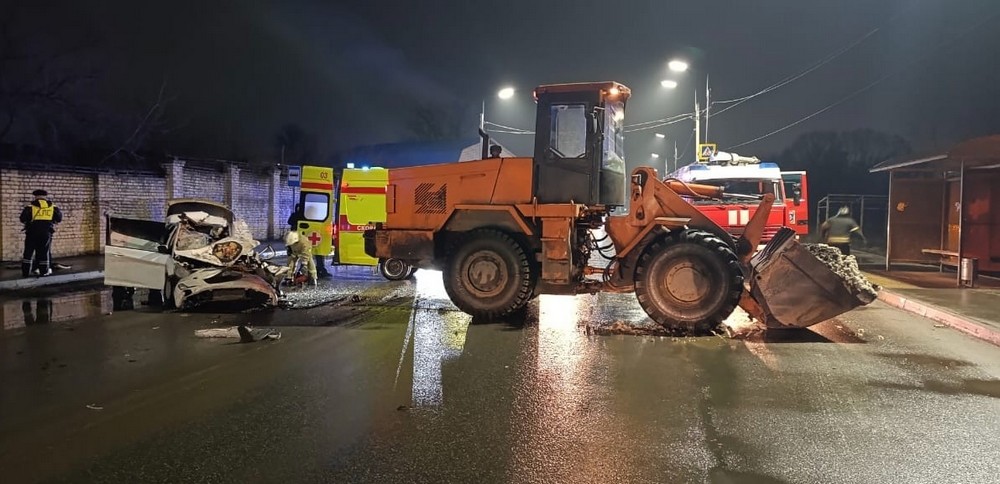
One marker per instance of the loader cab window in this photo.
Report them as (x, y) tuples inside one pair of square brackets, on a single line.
[(315, 206), (568, 138), (614, 137)]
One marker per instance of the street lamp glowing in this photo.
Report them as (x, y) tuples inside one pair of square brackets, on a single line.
[(506, 93), (667, 83), (677, 65), (656, 155), (661, 135)]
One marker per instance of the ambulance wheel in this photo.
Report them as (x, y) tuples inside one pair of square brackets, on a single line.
[(395, 269), (689, 283), (489, 275)]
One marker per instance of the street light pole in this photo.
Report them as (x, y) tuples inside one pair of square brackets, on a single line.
[(708, 106), (482, 116), (697, 125), (675, 156)]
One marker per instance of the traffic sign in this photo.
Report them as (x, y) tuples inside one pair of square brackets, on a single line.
[(705, 151), (294, 176)]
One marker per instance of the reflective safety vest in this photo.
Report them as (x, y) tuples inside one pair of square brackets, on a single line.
[(43, 212)]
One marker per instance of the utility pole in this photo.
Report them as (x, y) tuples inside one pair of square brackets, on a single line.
[(708, 105), (482, 116), (675, 156), (697, 126)]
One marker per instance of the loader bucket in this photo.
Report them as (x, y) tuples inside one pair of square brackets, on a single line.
[(794, 288)]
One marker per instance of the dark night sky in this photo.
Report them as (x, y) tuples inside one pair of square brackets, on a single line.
[(350, 72)]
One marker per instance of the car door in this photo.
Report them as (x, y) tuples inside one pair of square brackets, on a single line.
[(134, 253)]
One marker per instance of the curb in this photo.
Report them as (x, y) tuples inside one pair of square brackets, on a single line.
[(33, 282), (964, 324)]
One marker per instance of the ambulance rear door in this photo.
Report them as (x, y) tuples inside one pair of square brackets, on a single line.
[(317, 201)]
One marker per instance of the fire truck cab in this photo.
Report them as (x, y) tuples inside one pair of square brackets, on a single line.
[(746, 180)]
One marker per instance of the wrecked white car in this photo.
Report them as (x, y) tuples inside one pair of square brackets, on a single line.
[(199, 254)]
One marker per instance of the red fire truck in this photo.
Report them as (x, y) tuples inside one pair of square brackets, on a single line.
[(747, 179)]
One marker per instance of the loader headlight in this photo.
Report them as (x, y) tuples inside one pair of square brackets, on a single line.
[(227, 251)]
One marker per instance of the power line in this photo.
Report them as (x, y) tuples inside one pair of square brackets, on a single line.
[(822, 62), (873, 83), (507, 127)]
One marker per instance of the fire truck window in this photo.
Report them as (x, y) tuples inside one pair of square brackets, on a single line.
[(315, 206), (569, 131)]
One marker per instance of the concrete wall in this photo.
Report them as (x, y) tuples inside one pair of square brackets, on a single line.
[(262, 199)]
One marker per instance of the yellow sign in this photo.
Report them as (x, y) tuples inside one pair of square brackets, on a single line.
[(705, 151)]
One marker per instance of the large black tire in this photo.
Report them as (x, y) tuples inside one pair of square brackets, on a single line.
[(689, 283), (395, 269), (489, 275)]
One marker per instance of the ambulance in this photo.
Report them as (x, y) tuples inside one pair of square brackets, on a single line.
[(337, 211)]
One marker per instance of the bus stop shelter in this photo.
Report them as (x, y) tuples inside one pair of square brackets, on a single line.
[(940, 209)]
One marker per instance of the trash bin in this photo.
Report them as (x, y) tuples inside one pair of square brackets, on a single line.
[(968, 271)]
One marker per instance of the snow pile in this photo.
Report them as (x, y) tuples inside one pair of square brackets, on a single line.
[(847, 268)]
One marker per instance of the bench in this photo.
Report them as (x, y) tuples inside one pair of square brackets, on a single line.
[(946, 257)]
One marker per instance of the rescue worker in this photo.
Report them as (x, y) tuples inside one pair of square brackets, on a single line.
[(293, 222), (39, 218), (495, 151), (837, 231), (299, 250)]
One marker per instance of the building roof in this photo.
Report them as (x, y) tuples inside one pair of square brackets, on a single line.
[(975, 153)]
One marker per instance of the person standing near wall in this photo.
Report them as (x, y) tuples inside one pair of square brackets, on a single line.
[(40, 218)]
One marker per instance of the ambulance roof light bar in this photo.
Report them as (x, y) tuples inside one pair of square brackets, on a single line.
[(724, 158)]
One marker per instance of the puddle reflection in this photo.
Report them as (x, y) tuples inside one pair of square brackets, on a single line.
[(21, 313), (438, 332), (560, 343)]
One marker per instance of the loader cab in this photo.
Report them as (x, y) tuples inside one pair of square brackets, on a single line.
[(579, 144)]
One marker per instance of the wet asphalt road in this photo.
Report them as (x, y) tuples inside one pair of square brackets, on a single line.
[(386, 382)]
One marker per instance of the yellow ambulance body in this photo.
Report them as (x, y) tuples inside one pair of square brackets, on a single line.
[(334, 222)]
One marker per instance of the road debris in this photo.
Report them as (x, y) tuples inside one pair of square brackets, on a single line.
[(245, 333), (94, 406), (623, 327), (847, 268)]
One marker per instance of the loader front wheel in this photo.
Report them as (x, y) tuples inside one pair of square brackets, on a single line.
[(489, 276), (689, 283)]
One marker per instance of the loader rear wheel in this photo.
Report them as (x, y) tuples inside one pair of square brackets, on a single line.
[(690, 283), (489, 276)]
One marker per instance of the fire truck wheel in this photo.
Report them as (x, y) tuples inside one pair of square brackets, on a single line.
[(489, 275), (689, 283), (394, 269)]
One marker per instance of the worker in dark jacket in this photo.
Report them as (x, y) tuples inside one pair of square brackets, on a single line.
[(39, 218), (837, 231)]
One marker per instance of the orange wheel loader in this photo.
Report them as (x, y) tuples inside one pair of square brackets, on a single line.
[(504, 230)]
